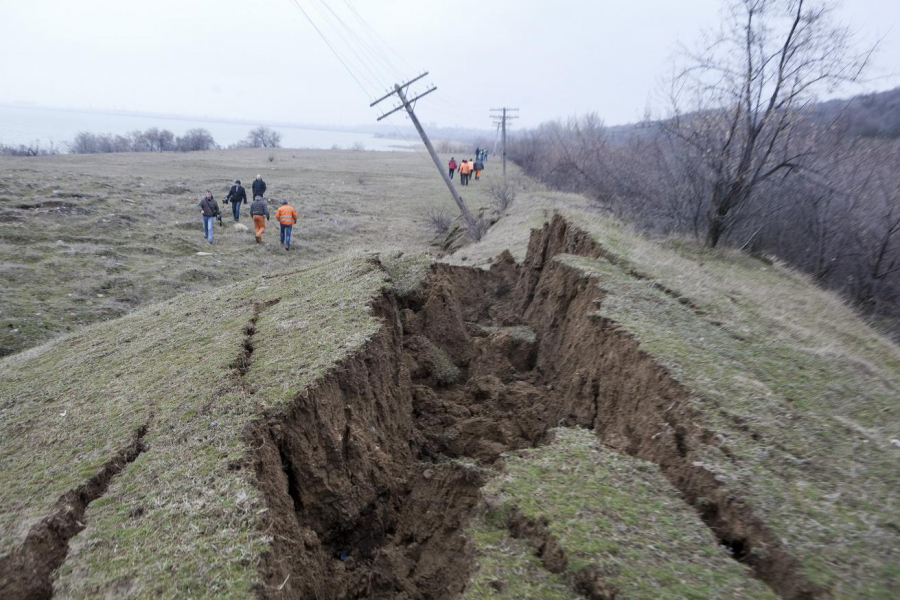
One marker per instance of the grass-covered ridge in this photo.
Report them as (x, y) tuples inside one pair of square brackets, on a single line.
[(803, 399), (181, 520), (801, 393), (607, 511)]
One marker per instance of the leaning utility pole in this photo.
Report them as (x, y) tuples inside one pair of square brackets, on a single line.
[(501, 121), (399, 89)]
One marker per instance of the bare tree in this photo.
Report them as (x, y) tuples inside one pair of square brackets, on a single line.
[(159, 140), (737, 103), (194, 140), (264, 137)]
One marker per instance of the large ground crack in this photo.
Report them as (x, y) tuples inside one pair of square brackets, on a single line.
[(27, 571), (372, 476)]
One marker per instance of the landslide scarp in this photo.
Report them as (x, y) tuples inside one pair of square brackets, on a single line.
[(373, 475)]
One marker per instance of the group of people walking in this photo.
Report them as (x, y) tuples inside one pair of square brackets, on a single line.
[(468, 168), (259, 211)]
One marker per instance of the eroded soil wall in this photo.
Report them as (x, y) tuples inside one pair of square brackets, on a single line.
[(371, 476)]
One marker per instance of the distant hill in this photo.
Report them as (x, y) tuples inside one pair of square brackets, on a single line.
[(866, 115)]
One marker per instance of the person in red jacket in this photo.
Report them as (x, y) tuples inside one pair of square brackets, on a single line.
[(452, 166)]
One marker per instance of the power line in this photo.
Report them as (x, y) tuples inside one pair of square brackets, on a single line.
[(333, 50), (373, 34), (376, 79), (377, 57)]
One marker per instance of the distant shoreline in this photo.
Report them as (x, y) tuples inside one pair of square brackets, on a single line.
[(22, 124)]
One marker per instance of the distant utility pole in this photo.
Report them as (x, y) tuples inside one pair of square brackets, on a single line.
[(501, 119), (400, 90)]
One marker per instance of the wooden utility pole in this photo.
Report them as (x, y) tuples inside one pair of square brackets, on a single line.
[(400, 90), (501, 120)]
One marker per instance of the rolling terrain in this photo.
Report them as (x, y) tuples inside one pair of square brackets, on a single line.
[(564, 409), (87, 238)]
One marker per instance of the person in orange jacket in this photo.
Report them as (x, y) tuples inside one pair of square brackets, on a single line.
[(287, 218), (465, 170)]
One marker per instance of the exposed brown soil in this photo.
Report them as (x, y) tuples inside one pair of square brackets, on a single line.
[(364, 497), (28, 570)]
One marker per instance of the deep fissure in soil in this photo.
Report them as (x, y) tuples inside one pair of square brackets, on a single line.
[(27, 572), (371, 476)]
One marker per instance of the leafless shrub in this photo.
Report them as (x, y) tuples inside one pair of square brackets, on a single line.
[(271, 157), (480, 228), (358, 147), (33, 149), (503, 194), (450, 147), (151, 140), (439, 221)]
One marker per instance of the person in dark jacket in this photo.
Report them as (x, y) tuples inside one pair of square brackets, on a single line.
[(209, 208), (259, 211), (259, 186), (479, 167), (236, 195)]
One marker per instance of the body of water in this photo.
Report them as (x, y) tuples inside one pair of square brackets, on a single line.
[(22, 125)]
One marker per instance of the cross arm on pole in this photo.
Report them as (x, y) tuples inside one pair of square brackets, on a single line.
[(402, 106), (402, 85)]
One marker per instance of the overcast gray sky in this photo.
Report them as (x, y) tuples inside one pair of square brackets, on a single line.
[(263, 60)]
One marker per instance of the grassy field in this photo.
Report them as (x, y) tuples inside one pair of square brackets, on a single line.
[(801, 397), (91, 237)]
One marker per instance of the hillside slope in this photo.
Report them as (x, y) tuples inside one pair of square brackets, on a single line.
[(796, 400), (384, 426)]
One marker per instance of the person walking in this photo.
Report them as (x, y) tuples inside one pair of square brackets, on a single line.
[(452, 166), (236, 195), (464, 172), (259, 211), (209, 209), (287, 218), (479, 167), (259, 186)]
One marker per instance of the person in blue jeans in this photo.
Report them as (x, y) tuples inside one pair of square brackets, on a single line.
[(287, 218), (209, 209), (236, 195)]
